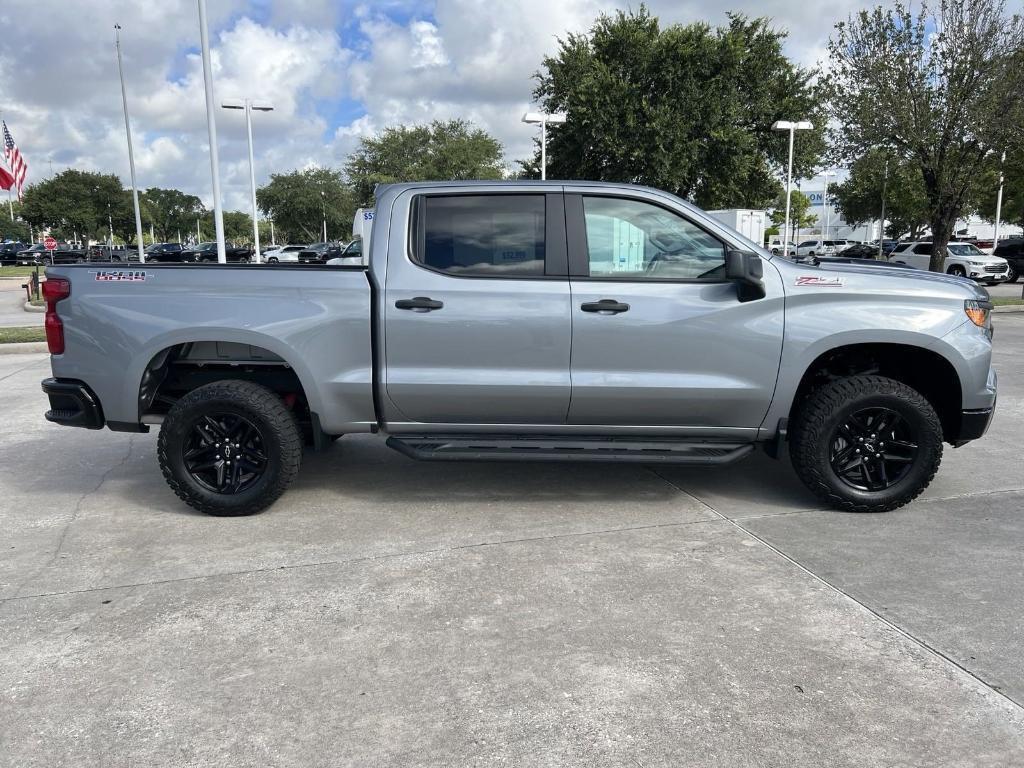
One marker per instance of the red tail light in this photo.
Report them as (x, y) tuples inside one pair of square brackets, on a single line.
[(55, 289)]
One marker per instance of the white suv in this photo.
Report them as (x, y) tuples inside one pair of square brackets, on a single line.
[(820, 247), (963, 259)]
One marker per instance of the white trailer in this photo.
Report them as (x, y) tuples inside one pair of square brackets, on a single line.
[(362, 225), (749, 223)]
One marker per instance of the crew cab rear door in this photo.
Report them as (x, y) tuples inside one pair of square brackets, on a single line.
[(660, 337), (476, 308)]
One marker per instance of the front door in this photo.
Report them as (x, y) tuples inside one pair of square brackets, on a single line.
[(476, 310), (660, 337)]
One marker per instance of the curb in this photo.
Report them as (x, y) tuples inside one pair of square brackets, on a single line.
[(33, 308), (1009, 308), (23, 347)]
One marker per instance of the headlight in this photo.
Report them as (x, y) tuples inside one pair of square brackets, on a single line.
[(976, 263), (978, 312)]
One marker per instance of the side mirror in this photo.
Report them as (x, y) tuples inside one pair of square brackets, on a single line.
[(746, 270)]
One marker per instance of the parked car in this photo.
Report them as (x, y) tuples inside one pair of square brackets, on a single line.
[(860, 251), (962, 260), (117, 253), (169, 252), (819, 247), (775, 246), (9, 252), (350, 254), (319, 253), (63, 254), (284, 253), (455, 341), (1012, 249), (207, 253)]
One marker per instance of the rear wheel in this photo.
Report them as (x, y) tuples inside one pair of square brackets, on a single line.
[(229, 448), (866, 443)]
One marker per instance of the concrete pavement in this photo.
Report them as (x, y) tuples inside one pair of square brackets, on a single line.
[(12, 305), (386, 612)]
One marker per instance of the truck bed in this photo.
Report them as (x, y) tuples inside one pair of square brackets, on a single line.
[(119, 324)]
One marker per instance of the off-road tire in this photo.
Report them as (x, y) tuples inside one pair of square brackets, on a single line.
[(279, 432), (821, 414)]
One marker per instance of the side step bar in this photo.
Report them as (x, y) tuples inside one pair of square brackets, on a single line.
[(567, 448)]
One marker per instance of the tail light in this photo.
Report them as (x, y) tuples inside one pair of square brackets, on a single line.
[(55, 289)]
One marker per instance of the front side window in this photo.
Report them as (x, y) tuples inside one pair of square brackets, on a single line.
[(482, 235), (807, 243), (631, 239), (964, 249)]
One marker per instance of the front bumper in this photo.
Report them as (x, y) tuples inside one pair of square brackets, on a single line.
[(973, 424), (72, 404)]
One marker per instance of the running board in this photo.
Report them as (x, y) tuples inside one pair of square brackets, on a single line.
[(549, 448)]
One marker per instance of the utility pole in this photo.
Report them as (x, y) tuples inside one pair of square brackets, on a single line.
[(999, 202), (131, 154)]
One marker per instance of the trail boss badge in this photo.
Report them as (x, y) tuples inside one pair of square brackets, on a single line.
[(814, 281)]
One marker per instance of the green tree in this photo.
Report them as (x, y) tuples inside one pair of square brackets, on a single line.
[(688, 109), (941, 88), (800, 216), (442, 151), (237, 227), (72, 202), (859, 198), (170, 211), (1013, 191), (299, 201)]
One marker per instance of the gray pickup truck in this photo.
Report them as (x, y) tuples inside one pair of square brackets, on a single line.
[(529, 321)]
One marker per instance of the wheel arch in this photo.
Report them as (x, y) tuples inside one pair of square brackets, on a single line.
[(144, 382), (922, 368)]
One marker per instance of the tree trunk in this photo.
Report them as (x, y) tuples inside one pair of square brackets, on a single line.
[(943, 221)]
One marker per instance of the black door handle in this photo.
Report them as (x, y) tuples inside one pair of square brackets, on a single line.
[(420, 304), (605, 305)]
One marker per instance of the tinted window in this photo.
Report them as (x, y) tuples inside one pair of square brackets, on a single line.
[(486, 235), (805, 243), (923, 248), (632, 239)]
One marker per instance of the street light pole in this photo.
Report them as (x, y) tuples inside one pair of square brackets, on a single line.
[(792, 127), (323, 207), (248, 105), (131, 154), (542, 119), (999, 202), (881, 224), (825, 208), (211, 127)]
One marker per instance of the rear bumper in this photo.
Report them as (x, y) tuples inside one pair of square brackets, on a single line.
[(72, 404)]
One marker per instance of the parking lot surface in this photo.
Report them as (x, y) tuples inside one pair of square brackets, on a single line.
[(386, 612)]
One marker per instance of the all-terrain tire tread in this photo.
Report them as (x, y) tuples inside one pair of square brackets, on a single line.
[(259, 399), (810, 430)]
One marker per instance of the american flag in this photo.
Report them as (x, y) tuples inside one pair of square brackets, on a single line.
[(14, 160)]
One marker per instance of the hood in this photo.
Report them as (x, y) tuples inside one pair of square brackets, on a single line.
[(889, 273)]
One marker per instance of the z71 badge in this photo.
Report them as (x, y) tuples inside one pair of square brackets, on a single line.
[(813, 281), (121, 276)]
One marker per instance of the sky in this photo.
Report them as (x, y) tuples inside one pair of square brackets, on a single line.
[(334, 71)]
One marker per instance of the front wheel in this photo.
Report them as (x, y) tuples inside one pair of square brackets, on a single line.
[(229, 448), (957, 271), (866, 443), (1012, 274)]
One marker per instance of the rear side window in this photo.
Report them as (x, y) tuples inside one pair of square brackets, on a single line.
[(482, 235), (923, 248)]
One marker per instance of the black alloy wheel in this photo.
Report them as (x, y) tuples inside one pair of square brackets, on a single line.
[(873, 449), (224, 452)]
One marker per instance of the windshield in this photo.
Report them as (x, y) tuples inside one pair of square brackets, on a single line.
[(964, 249)]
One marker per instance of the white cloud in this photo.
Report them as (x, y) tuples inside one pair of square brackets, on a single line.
[(403, 61)]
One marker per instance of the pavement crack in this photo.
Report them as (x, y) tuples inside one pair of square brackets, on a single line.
[(363, 559), (75, 512), (919, 642)]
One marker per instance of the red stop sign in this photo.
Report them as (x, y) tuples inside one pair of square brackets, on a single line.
[(50, 244)]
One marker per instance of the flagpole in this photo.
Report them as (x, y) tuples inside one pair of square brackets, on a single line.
[(10, 202)]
